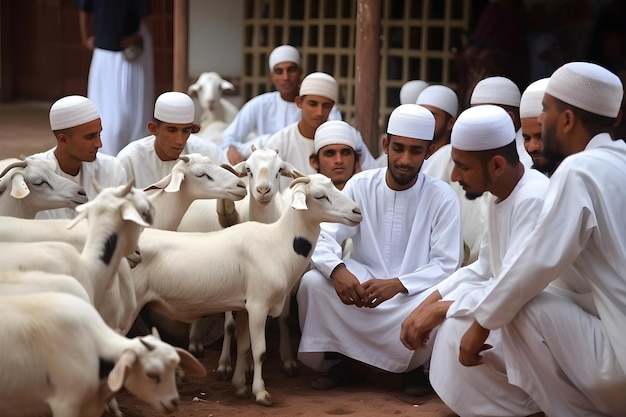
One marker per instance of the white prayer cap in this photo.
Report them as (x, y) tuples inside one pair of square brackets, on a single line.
[(334, 132), (174, 107), (496, 90), (530, 105), (587, 86), (72, 111), (320, 84), (482, 128), (411, 90), (284, 53), (412, 121), (440, 96)]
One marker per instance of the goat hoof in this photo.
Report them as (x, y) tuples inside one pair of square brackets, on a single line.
[(196, 350), (264, 398), (242, 392), (224, 373), (291, 368)]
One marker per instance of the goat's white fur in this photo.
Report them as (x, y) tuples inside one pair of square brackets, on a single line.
[(216, 111), (31, 185), (54, 345), (249, 267)]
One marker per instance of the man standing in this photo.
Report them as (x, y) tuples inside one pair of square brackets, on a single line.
[(121, 75), (568, 351), (335, 152), (151, 158), (269, 112), (486, 161), (409, 240), (76, 125)]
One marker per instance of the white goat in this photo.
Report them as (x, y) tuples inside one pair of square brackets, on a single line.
[(115, 219), (193, 177), (60, 358), (31, 185), (215, 111), (28, 282), (249, 267), (264, 204)]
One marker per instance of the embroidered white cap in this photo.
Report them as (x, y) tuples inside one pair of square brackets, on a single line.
[(412, 121), (284, 53), (530, 104), (440, 96), (587, 86), (174, 107), (482, 128), (410, 90), (496, 90), (320, 84), (334, 132), (71, 111)]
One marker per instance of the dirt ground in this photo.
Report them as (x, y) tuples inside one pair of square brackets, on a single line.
[(378, 394)]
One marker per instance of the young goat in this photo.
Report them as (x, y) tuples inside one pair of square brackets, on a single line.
[(249, 268), (31, 185), (60, 358)]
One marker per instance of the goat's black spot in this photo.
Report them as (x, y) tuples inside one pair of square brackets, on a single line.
[(109, 248), (105, 367), (302, 246)]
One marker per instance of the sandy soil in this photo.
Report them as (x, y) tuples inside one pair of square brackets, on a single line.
[(378, 394)]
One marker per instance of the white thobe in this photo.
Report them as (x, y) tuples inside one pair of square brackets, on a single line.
[(473, 212), (264, 115), (107, 170), (413, 235), (123, 93), (141, 161), (484, 390), (569, 360)]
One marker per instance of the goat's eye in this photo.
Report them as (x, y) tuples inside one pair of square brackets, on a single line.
[(156, 377), (322, 197), (38, 182), (208, 177)]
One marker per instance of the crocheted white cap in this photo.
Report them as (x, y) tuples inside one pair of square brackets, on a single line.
[(482, 128), (320, 84), (174, 107), (412, 121), (587, 86), (284, 53), (530, 104), (334, 132), (441, 97), (72, 111), (496, 90), (411, 90)]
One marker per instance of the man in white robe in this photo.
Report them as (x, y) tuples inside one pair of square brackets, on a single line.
[(76, 125), (269, 112), (409, 240), (318, 94), (151, 158), (443, 103), (486, 161), (569, 356)]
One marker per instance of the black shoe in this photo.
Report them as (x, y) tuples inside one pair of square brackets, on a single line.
[(416, 383), (338, 374)]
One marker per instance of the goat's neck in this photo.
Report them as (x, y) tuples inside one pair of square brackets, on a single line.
[(169, 209), (12, 207), (300, 224), (107, 243), (263, 213)]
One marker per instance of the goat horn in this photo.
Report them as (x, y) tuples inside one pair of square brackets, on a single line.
[(147, 344), (253, 148), (303, 180), (124, 191), (231, 169), (96, 186), (184, 158), (19, 164)]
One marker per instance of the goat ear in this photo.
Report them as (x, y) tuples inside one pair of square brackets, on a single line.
[(160, 184), (226, 85), (130, 213), (118, 374), (288, 170), (177, 179), (298, 200), (190, 365), (240, 169), (19, 189), (192, 90)]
